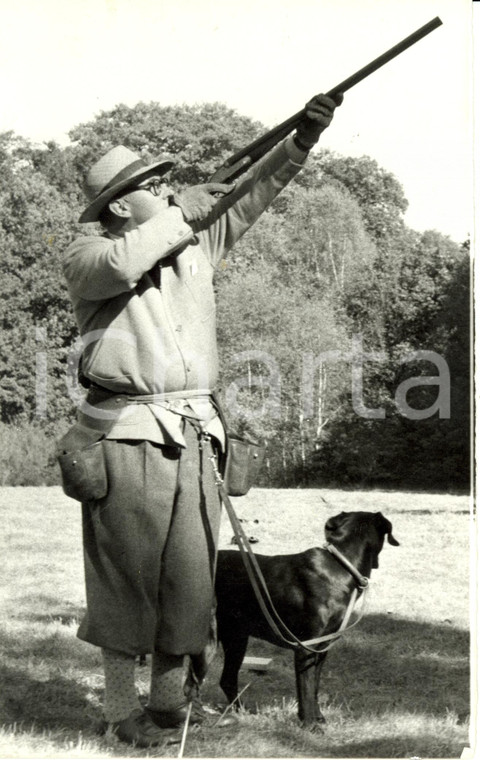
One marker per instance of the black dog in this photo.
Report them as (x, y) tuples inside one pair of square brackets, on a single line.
[(310, 591)]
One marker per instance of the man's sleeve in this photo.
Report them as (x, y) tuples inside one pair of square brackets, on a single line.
[(97, 268), (255, 190)]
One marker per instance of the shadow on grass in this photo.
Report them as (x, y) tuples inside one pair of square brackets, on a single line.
[(384, 665), (38, 704), (386, 668), (391, 688), (406, 665), (50, 679), (423, 745), (425, 742)]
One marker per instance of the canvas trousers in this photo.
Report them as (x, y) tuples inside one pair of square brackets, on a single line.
[(150, 548)]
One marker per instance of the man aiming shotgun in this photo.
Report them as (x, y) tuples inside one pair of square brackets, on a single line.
[(240, 161), (138, 456)]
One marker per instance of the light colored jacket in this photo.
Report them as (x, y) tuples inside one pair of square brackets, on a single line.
[(141, 338), (145, 305)]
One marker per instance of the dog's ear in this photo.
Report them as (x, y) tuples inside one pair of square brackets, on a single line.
[(334, 524), (385, 527)]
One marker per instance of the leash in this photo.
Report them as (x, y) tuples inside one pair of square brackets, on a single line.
[(257, 580), (185, 730), (231, 704)]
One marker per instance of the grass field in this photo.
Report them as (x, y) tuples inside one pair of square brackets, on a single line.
[(396, 686)]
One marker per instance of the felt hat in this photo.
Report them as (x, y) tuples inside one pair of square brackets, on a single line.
[(113, 172)]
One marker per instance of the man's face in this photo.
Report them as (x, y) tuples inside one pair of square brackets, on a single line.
[(146, 199)]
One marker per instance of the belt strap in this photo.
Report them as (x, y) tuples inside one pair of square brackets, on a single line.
[(159, 398)]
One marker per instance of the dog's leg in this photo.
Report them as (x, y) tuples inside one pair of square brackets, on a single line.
[(234, 651), (319, 663), (308, 667)]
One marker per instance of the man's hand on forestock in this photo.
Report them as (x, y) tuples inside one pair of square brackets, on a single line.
[(319, 113), (196, 202)]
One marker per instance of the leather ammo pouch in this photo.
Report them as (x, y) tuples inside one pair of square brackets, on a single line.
[(243, 463), (84, 474), (81, 453)]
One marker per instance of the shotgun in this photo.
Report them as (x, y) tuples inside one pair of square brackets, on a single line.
[(235, 165)]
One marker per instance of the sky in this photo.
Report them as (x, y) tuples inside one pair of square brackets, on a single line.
[(64, 61)]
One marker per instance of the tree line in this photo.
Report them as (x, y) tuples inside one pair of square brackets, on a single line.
[(344, 335)]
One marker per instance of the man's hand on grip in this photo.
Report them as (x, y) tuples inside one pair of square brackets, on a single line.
[(197, 201)]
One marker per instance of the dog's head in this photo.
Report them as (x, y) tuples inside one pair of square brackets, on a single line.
[(370, 528)]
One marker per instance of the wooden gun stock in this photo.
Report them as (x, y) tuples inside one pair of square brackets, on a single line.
[(235, 165)]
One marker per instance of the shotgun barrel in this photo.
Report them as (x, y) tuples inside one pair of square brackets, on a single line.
[(240, 161)]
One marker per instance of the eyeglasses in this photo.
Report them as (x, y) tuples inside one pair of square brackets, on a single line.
[(153, 186)]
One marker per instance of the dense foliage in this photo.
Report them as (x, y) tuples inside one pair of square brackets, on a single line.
[(330, 309)]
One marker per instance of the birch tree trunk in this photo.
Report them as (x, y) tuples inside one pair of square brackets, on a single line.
[(322, 393)]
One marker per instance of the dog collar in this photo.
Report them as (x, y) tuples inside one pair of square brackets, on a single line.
[(362, 580)]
